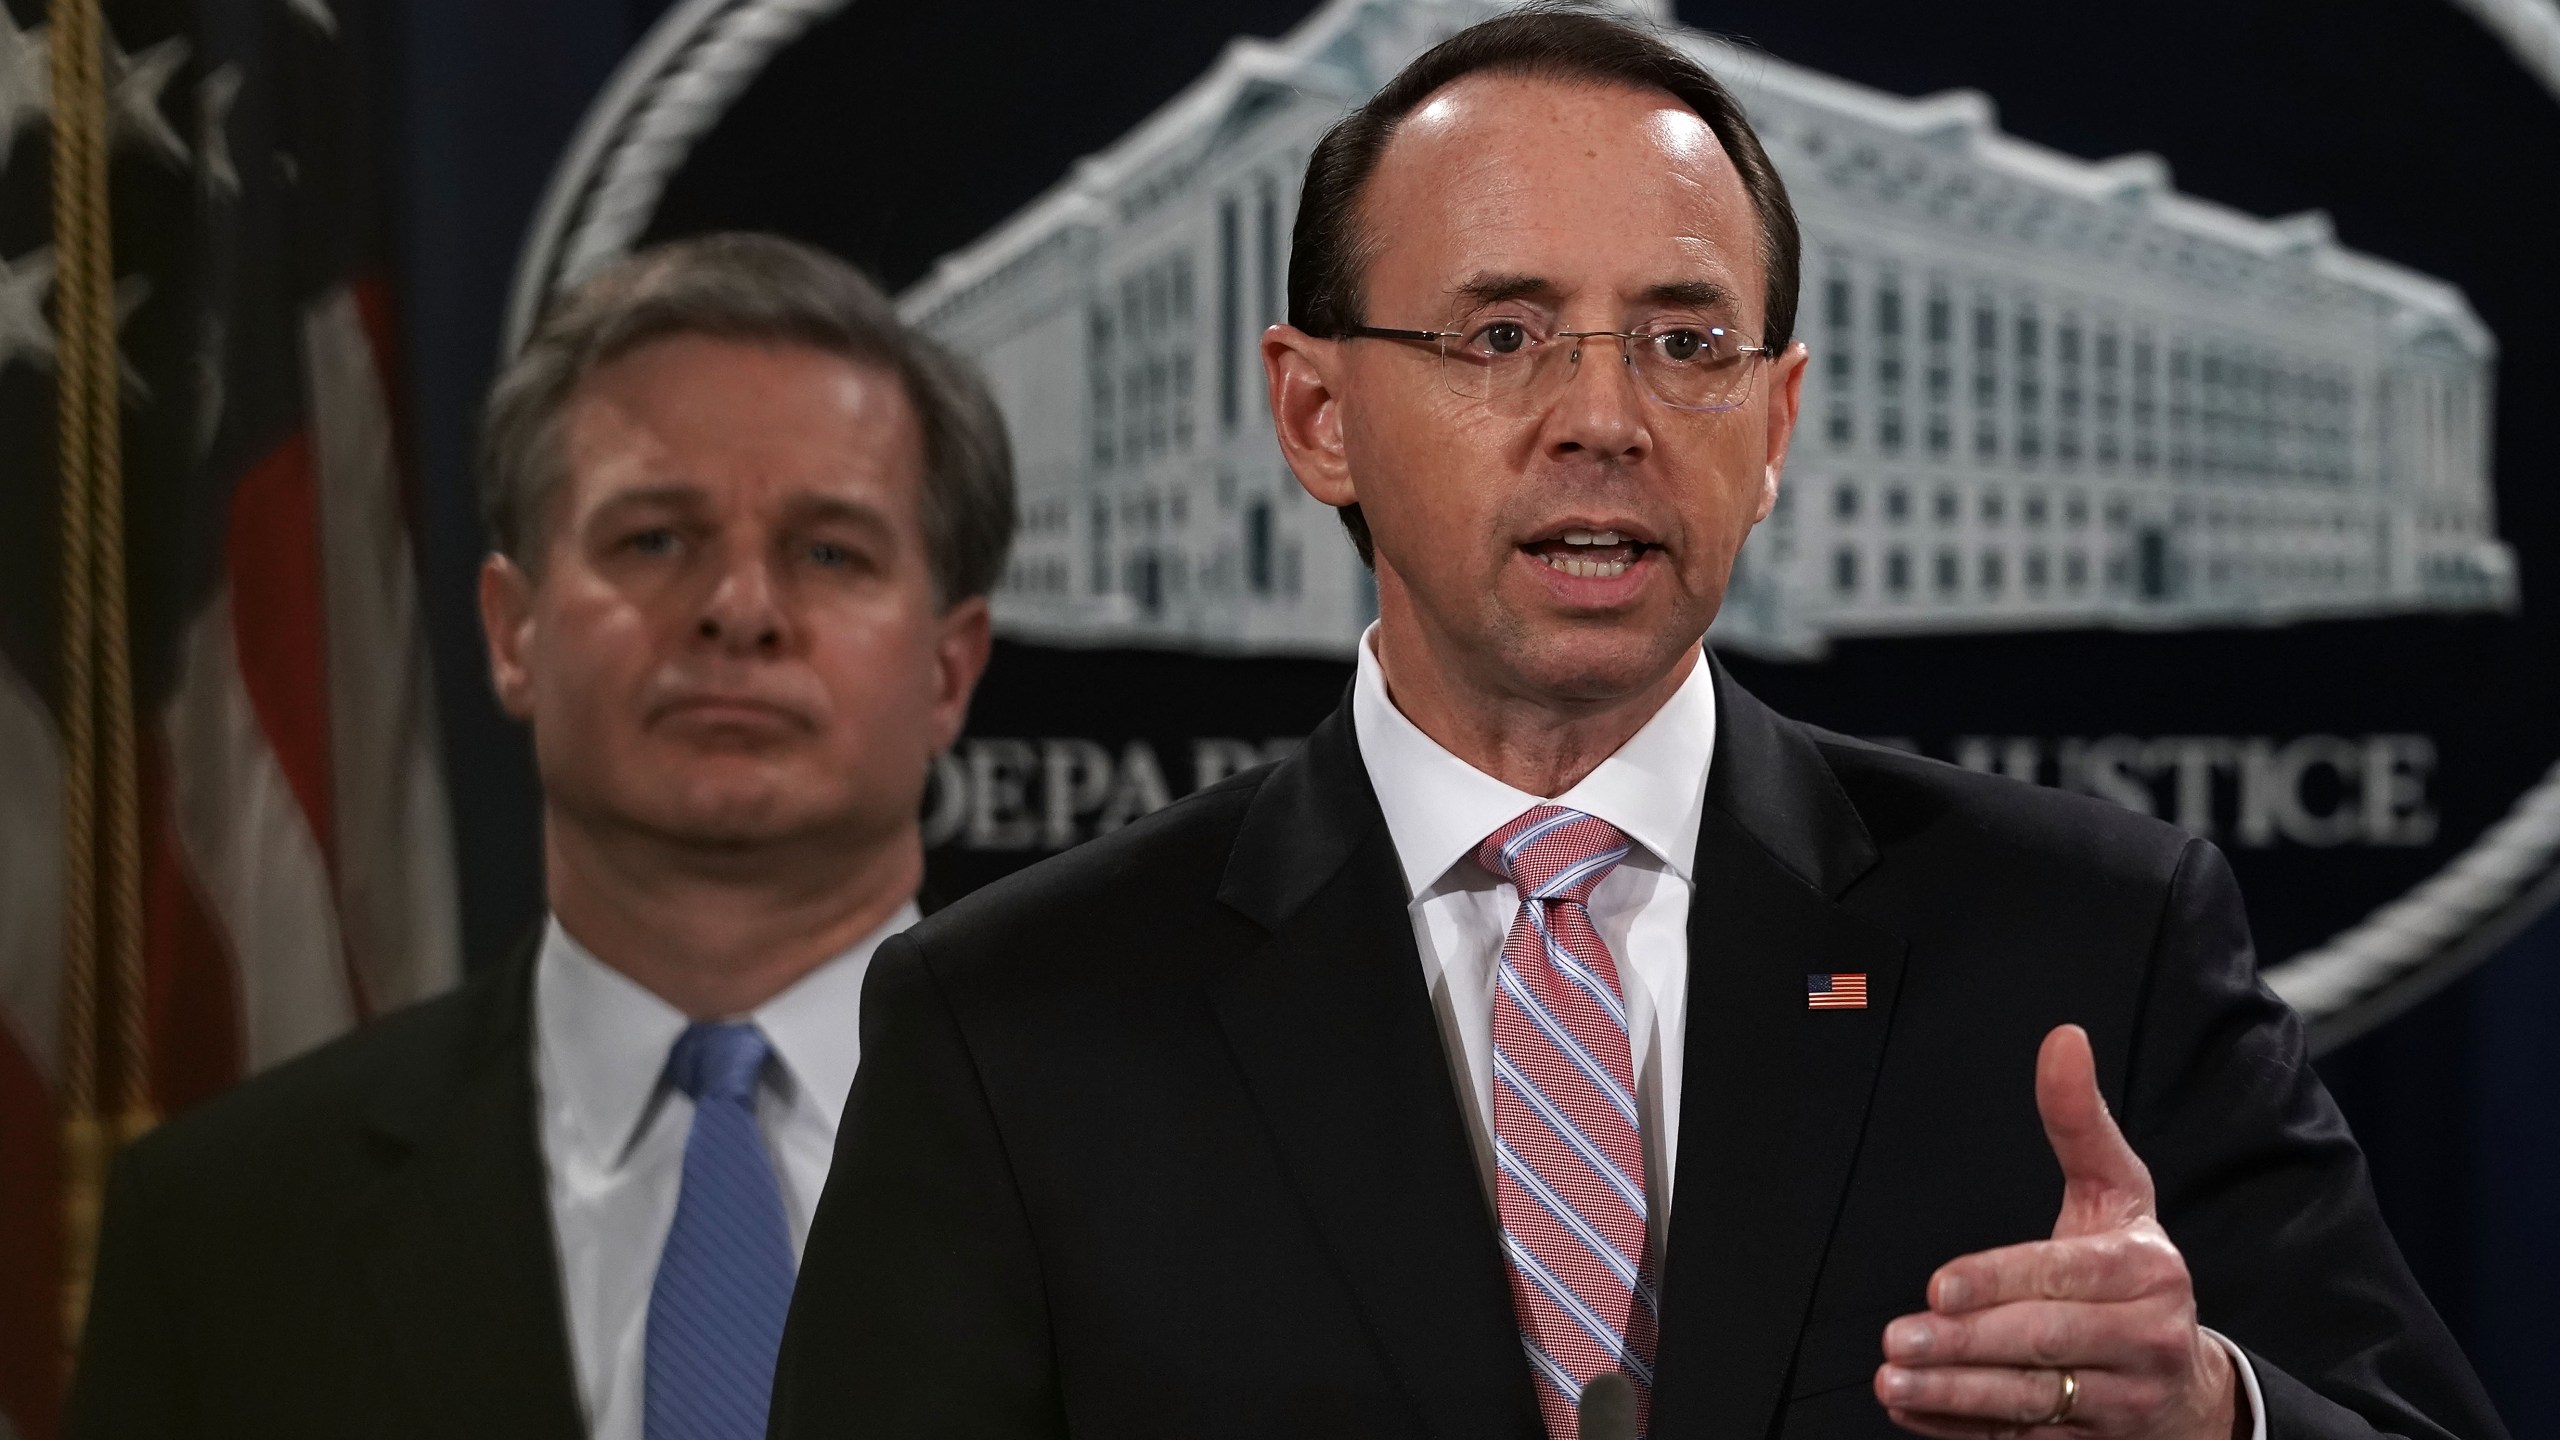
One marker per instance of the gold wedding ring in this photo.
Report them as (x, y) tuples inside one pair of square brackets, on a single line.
[(2070, 1399)]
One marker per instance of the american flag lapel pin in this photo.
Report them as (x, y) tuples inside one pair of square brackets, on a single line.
[(1835, 992)]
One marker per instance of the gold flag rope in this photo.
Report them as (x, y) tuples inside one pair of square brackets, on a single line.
[(97, 691), (76, 120)]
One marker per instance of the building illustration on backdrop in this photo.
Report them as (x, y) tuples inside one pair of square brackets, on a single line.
[(2045, 392)]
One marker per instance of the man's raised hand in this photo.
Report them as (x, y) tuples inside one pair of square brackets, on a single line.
[(2096, 1325)]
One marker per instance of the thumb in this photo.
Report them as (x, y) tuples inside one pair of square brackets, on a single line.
[(2105, 1186)]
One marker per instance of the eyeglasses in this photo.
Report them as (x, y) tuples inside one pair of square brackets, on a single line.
[(1518, 368)]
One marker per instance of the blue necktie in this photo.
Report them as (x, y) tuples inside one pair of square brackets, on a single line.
[(724, 1280)]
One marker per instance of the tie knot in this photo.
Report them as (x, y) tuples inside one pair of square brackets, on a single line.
[(1552, 853), (718, 1062)]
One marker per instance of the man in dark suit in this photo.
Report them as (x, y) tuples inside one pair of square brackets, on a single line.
[(743, 523), (1351, 1097)]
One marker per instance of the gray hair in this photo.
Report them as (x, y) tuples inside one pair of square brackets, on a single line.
[(761, 289)]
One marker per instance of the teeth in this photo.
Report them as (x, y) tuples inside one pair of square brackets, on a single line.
[(1592, 537), (1588, 569)]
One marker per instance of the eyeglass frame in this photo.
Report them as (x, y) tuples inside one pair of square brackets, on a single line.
[(1437, 339)]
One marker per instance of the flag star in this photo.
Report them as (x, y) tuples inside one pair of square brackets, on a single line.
[(26, 81), (23, 330), (318, 13), (212, 390), (214, 96), (135, 83), (131, 292)]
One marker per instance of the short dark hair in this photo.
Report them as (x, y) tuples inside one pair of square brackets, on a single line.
[(767, 290), (1328, 254)]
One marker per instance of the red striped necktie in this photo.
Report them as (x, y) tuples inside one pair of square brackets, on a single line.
[(1567, 1143)]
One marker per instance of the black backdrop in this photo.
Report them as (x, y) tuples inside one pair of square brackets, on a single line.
[(910, 131)]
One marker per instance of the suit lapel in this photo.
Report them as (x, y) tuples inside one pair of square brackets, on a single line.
[(1333, 1028), (1774, 1095), (461, 1266)]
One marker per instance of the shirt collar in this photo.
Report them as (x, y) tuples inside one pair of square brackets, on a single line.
[(815, 1026), (604, 1037), (1439, 808)]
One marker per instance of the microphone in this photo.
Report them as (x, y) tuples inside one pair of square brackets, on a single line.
[(1608, 1409)]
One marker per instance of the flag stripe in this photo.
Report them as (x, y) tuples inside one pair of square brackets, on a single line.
[(271, 556), (31, 1255), (247, 838), (30, 1049), (1835, 992), (192, 974), (30, 874), (392, 857)]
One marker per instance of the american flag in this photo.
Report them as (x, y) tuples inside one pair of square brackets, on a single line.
[(286, 867), (1835, 992)]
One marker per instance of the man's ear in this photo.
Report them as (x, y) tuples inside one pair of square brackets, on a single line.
[(507, 619), (1786, 402), (1302, 373), (960, 653)]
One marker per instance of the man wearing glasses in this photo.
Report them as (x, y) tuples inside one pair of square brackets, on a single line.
[(1352, 1097)]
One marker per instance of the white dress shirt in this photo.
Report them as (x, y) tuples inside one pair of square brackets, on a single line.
[(613, 1136), (1439, 808)]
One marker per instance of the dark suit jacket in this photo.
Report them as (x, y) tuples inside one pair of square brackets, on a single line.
[(1159, 1138), (356, 1243)]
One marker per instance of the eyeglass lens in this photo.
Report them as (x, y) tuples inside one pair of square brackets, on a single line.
[(1676, 370)]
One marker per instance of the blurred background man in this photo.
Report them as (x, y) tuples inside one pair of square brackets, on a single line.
[(743, 525)]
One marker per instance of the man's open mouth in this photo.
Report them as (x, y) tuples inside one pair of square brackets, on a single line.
[(1590, 554)]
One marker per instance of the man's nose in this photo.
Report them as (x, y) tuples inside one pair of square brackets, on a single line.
[(744, 611), (1601, 410)]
